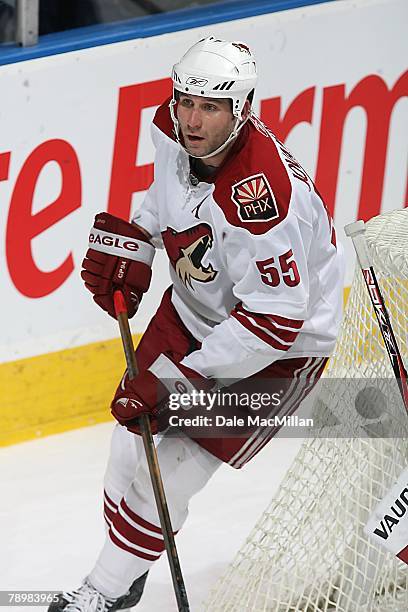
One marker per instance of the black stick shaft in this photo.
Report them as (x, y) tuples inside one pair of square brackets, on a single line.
[(153, 463), (356, 232)]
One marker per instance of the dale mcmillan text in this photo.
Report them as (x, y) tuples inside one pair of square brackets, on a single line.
[(257, 421), (248, 421)]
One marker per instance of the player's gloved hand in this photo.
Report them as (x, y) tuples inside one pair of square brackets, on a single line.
[(119, 256), (148, 393)]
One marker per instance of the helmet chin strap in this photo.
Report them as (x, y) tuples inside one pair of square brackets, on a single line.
[(237, 128)]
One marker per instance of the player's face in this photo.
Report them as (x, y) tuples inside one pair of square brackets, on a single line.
[(205, 124)]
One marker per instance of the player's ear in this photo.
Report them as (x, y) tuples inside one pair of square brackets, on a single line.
[(245, 110)]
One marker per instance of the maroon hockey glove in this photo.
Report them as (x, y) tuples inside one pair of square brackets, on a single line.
[(119, 257), (149, 392)]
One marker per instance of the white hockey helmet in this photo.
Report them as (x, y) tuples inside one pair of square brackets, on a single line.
[(216, 68)]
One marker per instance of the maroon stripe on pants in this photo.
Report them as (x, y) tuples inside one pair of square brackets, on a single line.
[(110, 514), (108, 499), (137, 537), (137, 553), (138, 519)]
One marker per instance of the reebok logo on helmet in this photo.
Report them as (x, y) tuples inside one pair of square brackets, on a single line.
[(198, 81)]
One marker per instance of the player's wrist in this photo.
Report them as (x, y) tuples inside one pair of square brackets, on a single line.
[(178, 378), (143, 231)]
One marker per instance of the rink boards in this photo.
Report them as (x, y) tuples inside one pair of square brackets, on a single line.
[(75, 140)]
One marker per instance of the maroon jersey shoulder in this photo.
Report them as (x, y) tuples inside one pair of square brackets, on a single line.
[(254, 190), (162, 119)]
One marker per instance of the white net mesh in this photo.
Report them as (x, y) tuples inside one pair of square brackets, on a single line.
[(308, 551)]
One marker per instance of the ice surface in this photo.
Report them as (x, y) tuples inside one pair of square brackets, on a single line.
[(51, 525)]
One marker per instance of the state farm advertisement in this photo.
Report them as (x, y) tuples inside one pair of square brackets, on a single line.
[(75, 140)]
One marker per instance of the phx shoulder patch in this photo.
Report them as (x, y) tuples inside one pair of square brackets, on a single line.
[(254, 199)]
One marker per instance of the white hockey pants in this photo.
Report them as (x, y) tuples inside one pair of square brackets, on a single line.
[(134, 539)]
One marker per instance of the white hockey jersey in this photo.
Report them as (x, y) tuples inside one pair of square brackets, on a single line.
[(257, 274)]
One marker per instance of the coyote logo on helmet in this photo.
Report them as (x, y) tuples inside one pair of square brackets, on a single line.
[(186, 251), (254, 199)]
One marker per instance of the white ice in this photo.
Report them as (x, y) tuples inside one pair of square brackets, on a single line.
[(51, 526)]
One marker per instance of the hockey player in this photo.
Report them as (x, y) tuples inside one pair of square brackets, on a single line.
[(257, 292)]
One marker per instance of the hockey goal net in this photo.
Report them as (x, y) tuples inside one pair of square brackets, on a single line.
[(308, 551)]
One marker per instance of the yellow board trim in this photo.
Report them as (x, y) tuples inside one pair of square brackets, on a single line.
[(57, 392)]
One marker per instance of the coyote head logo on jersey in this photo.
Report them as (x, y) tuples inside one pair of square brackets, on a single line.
[(254, 199), (186, 251)]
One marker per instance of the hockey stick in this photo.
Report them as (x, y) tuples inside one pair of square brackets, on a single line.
[(152, 460), (356, 232)]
